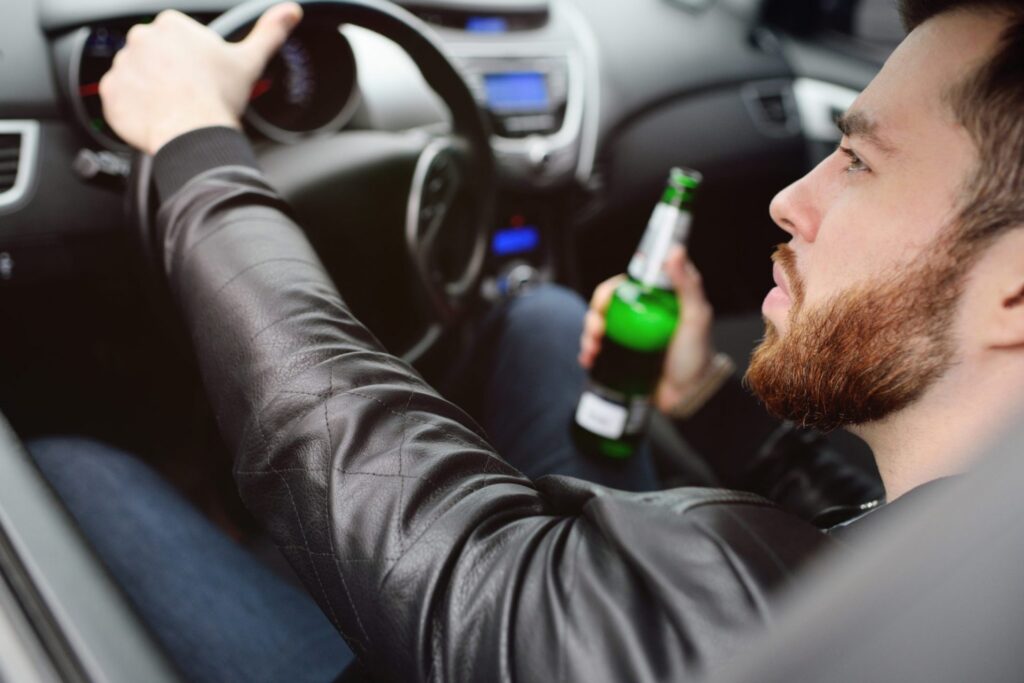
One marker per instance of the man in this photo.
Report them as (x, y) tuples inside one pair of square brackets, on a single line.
[(899, 312)]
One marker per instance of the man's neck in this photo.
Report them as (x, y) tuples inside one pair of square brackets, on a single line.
[(941, 433)]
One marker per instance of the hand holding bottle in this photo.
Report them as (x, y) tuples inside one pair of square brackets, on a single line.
[(691, 352)]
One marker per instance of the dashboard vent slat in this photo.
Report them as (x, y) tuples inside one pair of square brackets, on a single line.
[(19, 154), (10, 154)]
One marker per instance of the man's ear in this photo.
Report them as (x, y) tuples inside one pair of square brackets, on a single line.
[(1007, 330)]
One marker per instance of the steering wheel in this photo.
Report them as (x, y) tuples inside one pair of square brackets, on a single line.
[(440, 187)]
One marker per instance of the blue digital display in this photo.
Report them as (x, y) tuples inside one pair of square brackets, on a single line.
[(486, 25), (517, 91), (515, 240)]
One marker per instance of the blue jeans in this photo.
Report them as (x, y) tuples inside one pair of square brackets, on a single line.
[(218, 612)]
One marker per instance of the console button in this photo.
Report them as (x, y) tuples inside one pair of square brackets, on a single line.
[(530, 124)]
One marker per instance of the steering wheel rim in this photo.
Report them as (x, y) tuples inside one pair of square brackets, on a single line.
[(469, 143)]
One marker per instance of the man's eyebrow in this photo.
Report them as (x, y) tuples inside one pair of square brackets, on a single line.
[(857, 124)]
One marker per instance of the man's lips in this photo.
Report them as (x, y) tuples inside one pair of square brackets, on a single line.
[(778, 301), (779, 275)]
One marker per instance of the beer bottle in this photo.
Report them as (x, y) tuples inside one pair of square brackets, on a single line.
[(615, 405)]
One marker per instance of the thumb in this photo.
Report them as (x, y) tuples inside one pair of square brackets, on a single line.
[(682, 278), (269, 33), (688, 284)]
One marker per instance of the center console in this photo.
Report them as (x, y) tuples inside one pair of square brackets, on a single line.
[(524, 96), (532, 67)]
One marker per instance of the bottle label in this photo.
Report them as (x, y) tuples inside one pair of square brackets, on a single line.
[(610, 414), (668, 226)]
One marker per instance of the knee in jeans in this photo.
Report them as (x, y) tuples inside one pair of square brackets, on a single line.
[(70, 458), (545, 305)]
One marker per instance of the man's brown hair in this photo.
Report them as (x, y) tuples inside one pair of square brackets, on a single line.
[(990, 105)]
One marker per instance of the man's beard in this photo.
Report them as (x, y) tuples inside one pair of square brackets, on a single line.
[(867, 353)]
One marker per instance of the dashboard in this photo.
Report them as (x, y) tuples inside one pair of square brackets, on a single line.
[(529, 87), (589, 102), (309, 87)]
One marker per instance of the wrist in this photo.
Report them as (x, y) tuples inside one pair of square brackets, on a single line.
[(682, 402), (169, 130)]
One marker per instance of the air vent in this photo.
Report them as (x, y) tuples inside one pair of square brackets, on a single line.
[(18, 145), (10, 152), (819, 104), (480, 17), (772, 107)]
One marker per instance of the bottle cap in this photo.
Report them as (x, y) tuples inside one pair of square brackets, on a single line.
[(685, 178)]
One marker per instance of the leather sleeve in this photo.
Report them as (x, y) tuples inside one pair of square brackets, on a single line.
[(433, 557)]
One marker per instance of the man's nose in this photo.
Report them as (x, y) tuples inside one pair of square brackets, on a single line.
[(793, 210)]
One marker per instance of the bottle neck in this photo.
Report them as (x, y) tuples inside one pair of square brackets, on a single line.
[(679, 197), (669, 225)]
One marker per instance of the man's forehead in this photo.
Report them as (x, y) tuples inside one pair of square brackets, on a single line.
[(909, 98)]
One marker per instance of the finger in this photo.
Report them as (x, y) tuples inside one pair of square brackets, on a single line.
[(135, 34), (590, 338), (269, 33), (675, 267), (593, 325), (173, 16), (689, 287), (685, 277), (603, 294), (589, 349)]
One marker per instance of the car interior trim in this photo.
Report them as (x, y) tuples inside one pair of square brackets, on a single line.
[(93, 630), (772, 107), (28, 156), (22, 657), (591, 114), (819, 103)]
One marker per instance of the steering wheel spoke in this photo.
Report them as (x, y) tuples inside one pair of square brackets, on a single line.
[(441, 200)]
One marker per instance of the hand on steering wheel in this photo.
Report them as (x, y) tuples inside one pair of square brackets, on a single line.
[(176, 75)]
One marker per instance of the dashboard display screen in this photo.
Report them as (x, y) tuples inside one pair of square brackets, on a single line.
[(486, 25), (517, 91), (518, 240)]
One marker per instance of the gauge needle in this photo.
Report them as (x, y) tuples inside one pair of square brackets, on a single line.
[(261, 87), (88, 89)]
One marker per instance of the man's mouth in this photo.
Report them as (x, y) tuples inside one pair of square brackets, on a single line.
[(779, 275), (780, 298)]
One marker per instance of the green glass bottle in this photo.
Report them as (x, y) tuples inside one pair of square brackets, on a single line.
[(615, 406)]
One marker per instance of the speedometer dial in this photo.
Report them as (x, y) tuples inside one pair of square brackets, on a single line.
[(309, 86)]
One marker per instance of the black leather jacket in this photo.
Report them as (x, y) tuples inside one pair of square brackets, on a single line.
[(433, 557)]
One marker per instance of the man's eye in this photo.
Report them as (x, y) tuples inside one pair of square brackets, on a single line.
[(855, 165)]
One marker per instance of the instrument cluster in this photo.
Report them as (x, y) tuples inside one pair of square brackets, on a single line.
[(309, 87)]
